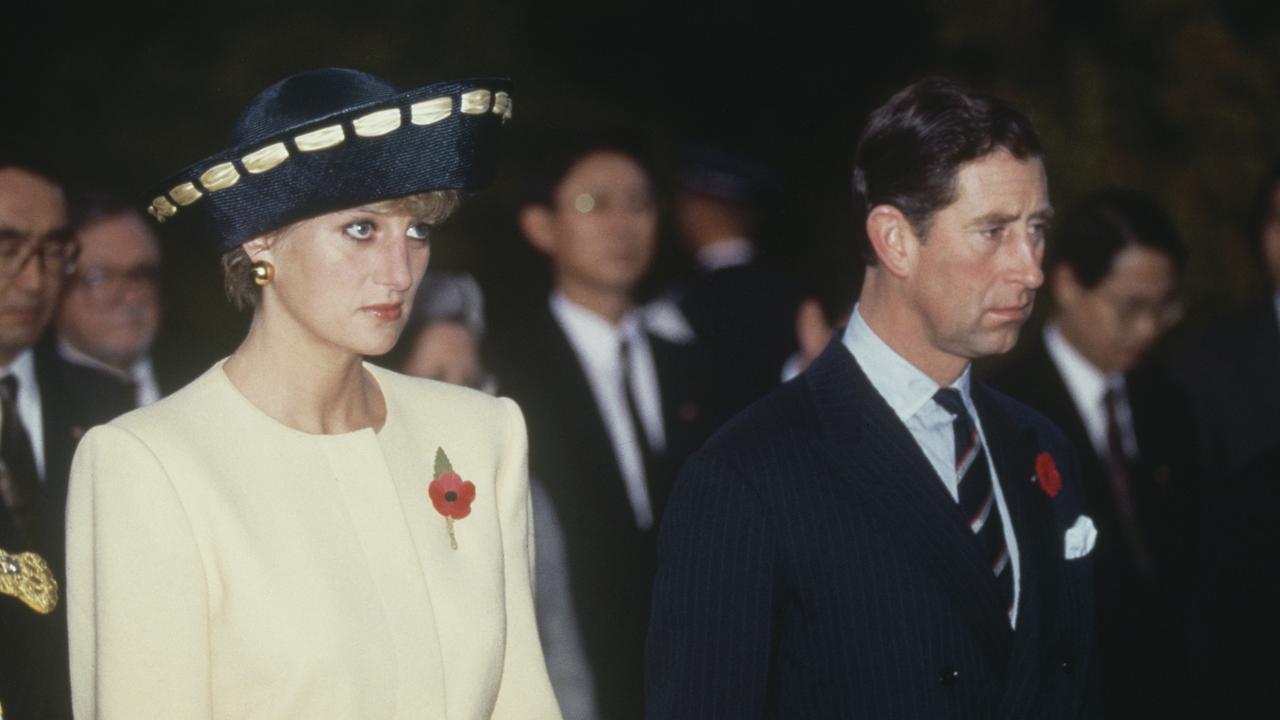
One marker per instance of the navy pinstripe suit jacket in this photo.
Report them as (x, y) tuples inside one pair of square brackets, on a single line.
[(812, 565)]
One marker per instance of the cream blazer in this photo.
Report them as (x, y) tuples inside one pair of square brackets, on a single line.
[(223, 565)]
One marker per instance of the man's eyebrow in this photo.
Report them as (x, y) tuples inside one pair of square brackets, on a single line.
[(8, 232), (61, 234), (999, 218), (992, 218)]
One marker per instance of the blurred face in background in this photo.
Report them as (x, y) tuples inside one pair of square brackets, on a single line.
[(601, 232), (111, 307), (1115, 323), (36, 247), (446, 351)]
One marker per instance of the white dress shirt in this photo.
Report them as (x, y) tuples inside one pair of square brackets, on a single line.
[(1088, 386), (909, 393), (726, 254), (30, 411), (596, 342), (142, 374)]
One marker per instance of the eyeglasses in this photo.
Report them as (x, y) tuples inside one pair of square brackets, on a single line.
[(55, 253), (106, 282), (1129, 310)]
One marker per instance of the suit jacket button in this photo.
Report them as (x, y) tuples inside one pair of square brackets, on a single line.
[(948, 676), (1068, 665)]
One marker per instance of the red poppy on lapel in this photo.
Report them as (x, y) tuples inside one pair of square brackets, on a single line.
[(1047, 472), (450, 494)]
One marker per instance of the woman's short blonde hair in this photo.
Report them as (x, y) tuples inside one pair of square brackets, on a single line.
[(237, 269)]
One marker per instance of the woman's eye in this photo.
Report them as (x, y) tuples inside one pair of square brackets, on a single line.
[(360, 230), (421, 231)]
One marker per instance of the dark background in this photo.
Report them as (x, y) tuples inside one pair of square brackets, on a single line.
[(1174, 98)]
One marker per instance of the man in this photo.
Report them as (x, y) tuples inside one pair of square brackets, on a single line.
[(1231, 373), (1230, 370), (110, 309), (743, 314), (1114, 274), (885, 537), (609, 405), (46, 406)]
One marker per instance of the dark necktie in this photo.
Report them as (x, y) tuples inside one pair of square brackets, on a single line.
[(633, 410), (1118, 471), (977, 494), (19, 489)]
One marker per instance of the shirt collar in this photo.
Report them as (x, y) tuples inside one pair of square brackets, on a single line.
[(23, 368), (72, 354), (905, 387), (1082, 377), (726, 253), (594, 335)]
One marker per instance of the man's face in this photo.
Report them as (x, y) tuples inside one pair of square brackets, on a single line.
[(111, 308), (603, 227), (33, 214), (975, 274), (1115, 322)]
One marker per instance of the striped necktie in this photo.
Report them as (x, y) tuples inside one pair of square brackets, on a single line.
[(977, 494)]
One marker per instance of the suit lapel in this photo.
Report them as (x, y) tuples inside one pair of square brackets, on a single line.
[(883, 466)]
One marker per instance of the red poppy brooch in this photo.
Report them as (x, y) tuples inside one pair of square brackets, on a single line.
[(1047, 473), (450, 494)]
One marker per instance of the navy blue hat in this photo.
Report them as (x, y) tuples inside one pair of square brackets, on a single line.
[(329, 139), (719, 172)]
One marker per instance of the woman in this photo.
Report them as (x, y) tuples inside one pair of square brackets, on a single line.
[(297, 533)]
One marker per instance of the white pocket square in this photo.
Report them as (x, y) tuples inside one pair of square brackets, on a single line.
[(1080, 538)]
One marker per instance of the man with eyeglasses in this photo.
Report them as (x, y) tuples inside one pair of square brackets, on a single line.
[(1114, 271), (110, 309), (45, 406), (608, 401)]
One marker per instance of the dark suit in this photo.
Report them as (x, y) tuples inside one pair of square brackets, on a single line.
[(34, 681), (1238, 622), (1232, 373), (611, 561), (1142, 631), (813, 565), (744, 317)]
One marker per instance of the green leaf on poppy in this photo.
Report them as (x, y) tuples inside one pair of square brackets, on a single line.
[(442, 463)]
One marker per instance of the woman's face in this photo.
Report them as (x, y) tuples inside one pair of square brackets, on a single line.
[(344, 280)]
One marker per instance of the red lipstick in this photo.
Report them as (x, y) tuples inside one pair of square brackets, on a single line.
[(389, 311)]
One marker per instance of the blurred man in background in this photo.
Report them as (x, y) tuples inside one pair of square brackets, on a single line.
[(743, 313), (610, 404), (1114, 273), (46, 405), (110, 309), (1232, 370)]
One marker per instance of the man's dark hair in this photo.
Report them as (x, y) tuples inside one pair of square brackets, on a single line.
[(558, 156), (92, 206), (913, 147), (1105, 223)]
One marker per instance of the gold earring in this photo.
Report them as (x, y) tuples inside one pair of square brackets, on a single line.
[(263, 272)]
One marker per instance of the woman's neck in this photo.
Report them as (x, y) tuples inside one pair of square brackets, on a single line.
[(319, 390)]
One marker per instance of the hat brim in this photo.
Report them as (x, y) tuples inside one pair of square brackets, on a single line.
[(437, 137)]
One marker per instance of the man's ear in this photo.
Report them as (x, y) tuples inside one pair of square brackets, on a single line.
[(892, 239), (536, 224), (1064, 285)]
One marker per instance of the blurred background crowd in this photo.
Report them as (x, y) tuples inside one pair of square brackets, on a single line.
[(670, 238)]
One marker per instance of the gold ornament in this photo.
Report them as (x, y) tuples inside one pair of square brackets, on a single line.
[(263, 272), (27, 577)]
